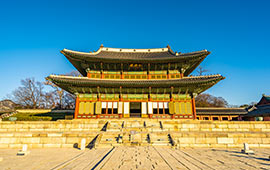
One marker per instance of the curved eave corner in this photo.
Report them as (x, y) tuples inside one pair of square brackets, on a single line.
[(214, 83), (192, 68)]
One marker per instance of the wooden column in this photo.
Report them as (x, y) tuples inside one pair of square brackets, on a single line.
[(101, 71), (163, 108), (122, 68), (171, 97), (98, 93), (194, 108), (181, 75), (148, 72), (76, 107), (88, 75), (168, 74), (120, 94)]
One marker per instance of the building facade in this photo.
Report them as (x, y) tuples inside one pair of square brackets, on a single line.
[(220, 113), (147, 83)]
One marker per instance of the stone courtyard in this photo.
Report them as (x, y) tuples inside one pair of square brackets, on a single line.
[(136, 157)]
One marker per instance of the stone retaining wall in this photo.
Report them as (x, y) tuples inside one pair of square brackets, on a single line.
[(189, 133)]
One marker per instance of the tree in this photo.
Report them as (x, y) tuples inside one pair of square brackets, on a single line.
[(248, 105), (207, 100), (30, 94), (201, 70), (60, 98), (244, 105)]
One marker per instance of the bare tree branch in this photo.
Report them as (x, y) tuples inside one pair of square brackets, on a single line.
[(201, 70), (30, 94)]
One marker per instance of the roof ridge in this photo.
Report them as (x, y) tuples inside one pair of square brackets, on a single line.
[(111, 49)]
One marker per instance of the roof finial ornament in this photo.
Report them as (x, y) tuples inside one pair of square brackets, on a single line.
[(168, 46), (101, 46)]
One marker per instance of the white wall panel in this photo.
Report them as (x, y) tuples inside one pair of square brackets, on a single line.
[(103, 105), (114, 105), (160, 105), (126, 107), (166, 105), (120, 107), (109, 105), (150, 108), (155, 105), (144, 108)]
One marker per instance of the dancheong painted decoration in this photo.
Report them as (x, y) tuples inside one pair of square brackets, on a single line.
[(147, 83)]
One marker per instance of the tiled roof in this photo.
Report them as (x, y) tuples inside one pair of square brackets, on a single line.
[(220, 111), (117, 55), (135, 82), (267, 97), (158, 55), (263, 110), (203, 82)]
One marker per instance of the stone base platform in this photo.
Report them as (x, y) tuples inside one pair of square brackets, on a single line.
[(104, 133)]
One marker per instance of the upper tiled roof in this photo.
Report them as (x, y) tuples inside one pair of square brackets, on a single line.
[(265, 100), (118, 55), (159, 54)]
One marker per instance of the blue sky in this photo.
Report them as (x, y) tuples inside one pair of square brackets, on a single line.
[(236, 32)]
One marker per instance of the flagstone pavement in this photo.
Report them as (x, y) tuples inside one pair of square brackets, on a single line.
[(127, 158)]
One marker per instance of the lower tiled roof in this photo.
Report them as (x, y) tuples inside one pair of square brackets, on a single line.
[(202, 82), (220, 111), (263, 110)]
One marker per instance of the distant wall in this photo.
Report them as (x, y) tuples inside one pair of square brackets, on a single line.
[(33, 110)]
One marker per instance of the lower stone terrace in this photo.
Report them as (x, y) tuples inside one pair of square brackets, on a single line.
[(136, 157)]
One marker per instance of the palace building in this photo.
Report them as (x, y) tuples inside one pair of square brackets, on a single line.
[(259, 111), (147, 83)]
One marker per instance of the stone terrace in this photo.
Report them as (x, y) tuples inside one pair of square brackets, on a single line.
[(106, 133)]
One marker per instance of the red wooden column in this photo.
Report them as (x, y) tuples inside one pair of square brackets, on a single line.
[(181, 75), (194, 108), (171, 100), (88, 75), (122, 70), (77, 108)]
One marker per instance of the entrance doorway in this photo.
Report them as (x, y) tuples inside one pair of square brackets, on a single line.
[(135, 109)]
